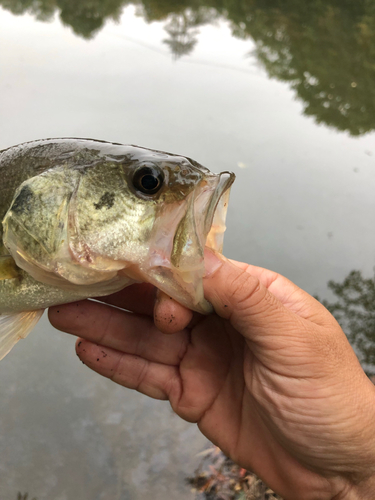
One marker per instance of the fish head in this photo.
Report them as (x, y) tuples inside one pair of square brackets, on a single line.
[(127, 215)]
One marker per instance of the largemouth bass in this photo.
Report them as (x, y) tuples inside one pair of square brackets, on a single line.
[(84, 218)]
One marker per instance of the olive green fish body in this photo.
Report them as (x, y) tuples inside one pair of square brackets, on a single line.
[(82, 218)]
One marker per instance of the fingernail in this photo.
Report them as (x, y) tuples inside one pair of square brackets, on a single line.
[(211, 262)]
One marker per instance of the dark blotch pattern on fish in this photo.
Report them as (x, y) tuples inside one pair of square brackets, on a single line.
[(23, 201), (107, 200)]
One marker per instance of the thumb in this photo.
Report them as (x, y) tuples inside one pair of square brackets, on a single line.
[(277, 335), (252, 309)]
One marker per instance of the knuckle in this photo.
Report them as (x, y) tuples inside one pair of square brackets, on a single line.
[(172, 387), (142, 375), (244, 290), (107, 324), (115, 374)]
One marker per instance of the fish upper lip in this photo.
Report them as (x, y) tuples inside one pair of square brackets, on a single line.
[(215, 208), (224, 182)]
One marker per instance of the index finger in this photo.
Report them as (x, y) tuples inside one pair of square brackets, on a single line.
[(143, 298), (170, 316), (138, 298)]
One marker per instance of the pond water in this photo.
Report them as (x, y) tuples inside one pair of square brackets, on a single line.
[(283, 97)]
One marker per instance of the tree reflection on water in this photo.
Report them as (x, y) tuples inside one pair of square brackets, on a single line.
[(20, 496), (324, 50), (182, 29), (354, 309), (88, 17)]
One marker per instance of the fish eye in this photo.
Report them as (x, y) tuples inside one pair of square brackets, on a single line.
[(148, 180)]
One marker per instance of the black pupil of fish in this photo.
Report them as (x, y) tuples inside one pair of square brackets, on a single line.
[(149, 182)]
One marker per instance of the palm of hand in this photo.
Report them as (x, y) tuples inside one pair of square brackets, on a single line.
[(279, 411), (240, 403), (268, 396)]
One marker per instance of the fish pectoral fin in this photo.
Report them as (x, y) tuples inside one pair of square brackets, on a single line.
[(8, 268), (14, 327)]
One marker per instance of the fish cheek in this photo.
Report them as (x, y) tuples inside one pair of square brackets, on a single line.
[(109, 225), (107, 200)]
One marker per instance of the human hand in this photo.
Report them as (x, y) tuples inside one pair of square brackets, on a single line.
[(270, 377)]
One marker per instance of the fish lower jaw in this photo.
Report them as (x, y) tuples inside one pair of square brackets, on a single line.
[(185, 286)]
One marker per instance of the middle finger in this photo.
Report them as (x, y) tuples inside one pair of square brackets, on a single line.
[(120, 330), (138, 298)]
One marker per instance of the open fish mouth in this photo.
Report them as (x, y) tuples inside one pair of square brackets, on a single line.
[(180, 272), (216, 211), (203, 224)]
